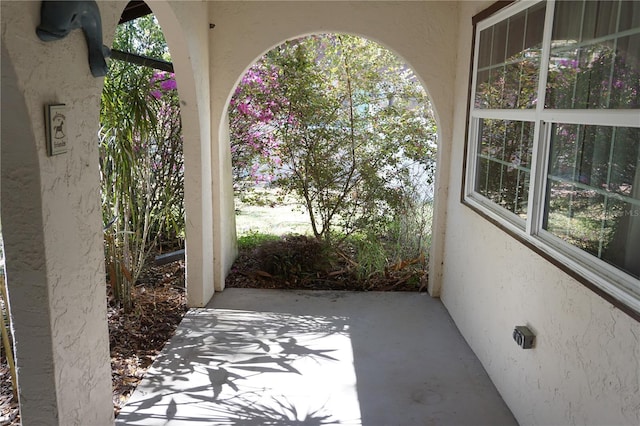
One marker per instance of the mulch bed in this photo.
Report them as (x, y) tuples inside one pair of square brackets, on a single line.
[(138, 336), (135, 337), (298, 262), (9, 411)]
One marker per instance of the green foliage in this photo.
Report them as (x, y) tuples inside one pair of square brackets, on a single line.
[(141, 159), (254, 239), (294, 256), (142, 36), (370, 255), (409, 234), (339, 122)]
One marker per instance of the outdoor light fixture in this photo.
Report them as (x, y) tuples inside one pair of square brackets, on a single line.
[(59, 18)]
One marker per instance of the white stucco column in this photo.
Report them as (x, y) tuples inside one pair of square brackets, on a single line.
[(52, 225), (225, 243), (224, 222), (186, 29)]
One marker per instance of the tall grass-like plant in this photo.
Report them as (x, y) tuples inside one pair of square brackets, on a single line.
[(127, 117), (410, 227), (370, 256)]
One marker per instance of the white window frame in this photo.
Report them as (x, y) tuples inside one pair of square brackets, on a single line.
[(605, 279)]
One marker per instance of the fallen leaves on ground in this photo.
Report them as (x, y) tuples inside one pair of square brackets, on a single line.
[(298, 262), (137, 337), (9, 410)]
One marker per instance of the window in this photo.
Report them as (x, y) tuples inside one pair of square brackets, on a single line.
[(553, 150)]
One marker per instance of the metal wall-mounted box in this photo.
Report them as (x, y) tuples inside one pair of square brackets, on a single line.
[(523, 337)]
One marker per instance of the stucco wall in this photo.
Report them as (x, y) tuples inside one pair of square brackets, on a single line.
[(186, 29), (53, 226), (51, 216), (585, 368), (422, 33)]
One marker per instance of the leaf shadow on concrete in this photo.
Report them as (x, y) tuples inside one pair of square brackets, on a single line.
[(274, 357), (233, 367)]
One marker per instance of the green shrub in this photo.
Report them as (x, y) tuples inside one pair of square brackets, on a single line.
[(254, 239), (370, 255), (294, 256)]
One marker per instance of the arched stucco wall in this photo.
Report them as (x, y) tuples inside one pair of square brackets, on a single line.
[(24, 261), (51, 205), (186, 30), (53, 225), (584, 368), (422, 33)]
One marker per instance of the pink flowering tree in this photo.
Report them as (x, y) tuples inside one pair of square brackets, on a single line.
[(254, 113)]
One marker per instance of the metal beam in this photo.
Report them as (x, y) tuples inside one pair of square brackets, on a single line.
[(134, 10), (144, 61)]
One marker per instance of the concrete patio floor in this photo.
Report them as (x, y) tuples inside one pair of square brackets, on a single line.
[(271, 357)]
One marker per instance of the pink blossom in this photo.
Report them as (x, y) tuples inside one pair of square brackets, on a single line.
[(244, 108), (156, 94), (265, 116), (168, 85)]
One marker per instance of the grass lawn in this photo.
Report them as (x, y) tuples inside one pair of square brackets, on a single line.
[(287, 218)]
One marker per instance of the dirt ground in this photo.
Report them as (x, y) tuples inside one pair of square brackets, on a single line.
[(137, 337), (9, 412)]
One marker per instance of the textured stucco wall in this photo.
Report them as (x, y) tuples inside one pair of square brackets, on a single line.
[(585, 368), (51, 205), (186, 29), (53, 225), (226, 248), (422, 33), (30, 307)]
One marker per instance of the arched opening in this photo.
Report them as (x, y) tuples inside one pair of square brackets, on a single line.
[(341, 127), (141, 161), (240, 43), (191, 70), (147, 131)]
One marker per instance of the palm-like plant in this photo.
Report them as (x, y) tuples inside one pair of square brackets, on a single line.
[(127, 115), (141, 164)]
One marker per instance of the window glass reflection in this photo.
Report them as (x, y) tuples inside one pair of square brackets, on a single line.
[(593, 195), (594, 61), (504, 163), (509, 61)]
